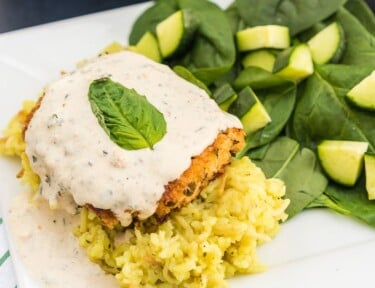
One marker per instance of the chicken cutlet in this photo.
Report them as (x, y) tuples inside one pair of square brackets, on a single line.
[(79, 165)]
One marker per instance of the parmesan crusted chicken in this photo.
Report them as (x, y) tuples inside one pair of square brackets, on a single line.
[(203, 169), (80, 165)]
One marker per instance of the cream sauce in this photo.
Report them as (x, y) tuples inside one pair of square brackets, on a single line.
[(46, 246), (73, 155)]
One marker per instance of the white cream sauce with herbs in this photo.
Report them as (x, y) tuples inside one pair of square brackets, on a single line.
[(47, 248), (76, 159)]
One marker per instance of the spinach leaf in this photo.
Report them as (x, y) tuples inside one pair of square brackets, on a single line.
[(322, 111), (258, 78), (212, 52), (234, 18), (276, 156), (279, 104), (360, 44), (256, 154), (298, 168), (298, 15), (228, 77), (344, 77), (127, 117), (351, 201), (150, 18), (363, 13)]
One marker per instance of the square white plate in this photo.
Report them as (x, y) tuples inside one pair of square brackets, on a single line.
[(318, 248)]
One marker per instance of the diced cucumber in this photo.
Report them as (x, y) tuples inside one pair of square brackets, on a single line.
[(224, 96), (370, 175), (148, 46), (261, 58), (267, 36), (176, 32), (294, 63), (312, 31), (328, 45), (363, 94), (342, 160), (250, 110)]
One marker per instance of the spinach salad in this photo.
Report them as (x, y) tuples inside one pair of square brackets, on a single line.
[(304, 106)]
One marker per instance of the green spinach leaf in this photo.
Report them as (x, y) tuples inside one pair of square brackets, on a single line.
[(298, 15), (212, 52), (258, 78), (344, 77), (127, 117), (150, 18), (352, 201), (322, 111), (360, 44), (363, 13), (298, 168), (276, 156), (234, 18)]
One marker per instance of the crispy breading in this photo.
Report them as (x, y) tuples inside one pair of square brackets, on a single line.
[(203, 168), (106, 216), (31, 114)]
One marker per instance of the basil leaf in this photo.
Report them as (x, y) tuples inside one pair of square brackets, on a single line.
[(126, 116)]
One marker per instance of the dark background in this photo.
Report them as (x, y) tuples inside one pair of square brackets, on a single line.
[(15, 14)]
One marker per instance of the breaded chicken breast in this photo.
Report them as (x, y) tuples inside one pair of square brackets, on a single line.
[(80, 165), (204, 168)]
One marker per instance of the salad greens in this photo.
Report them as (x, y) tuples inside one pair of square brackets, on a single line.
[(303, 112), (298, 168), (128, 118), (360, 43), (298, 15), (211, 53), (363, 13), (279, 104), (323, 113), (351, 201)]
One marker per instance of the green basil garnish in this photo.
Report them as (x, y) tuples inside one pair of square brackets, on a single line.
[(126, 116)]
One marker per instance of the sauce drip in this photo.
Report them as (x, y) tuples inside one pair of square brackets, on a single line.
[(46, 246)]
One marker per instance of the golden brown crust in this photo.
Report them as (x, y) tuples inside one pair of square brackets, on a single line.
[(203, 169), (31, 114), (106, 216)]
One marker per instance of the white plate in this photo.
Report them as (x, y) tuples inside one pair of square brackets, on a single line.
[(316, 249)]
